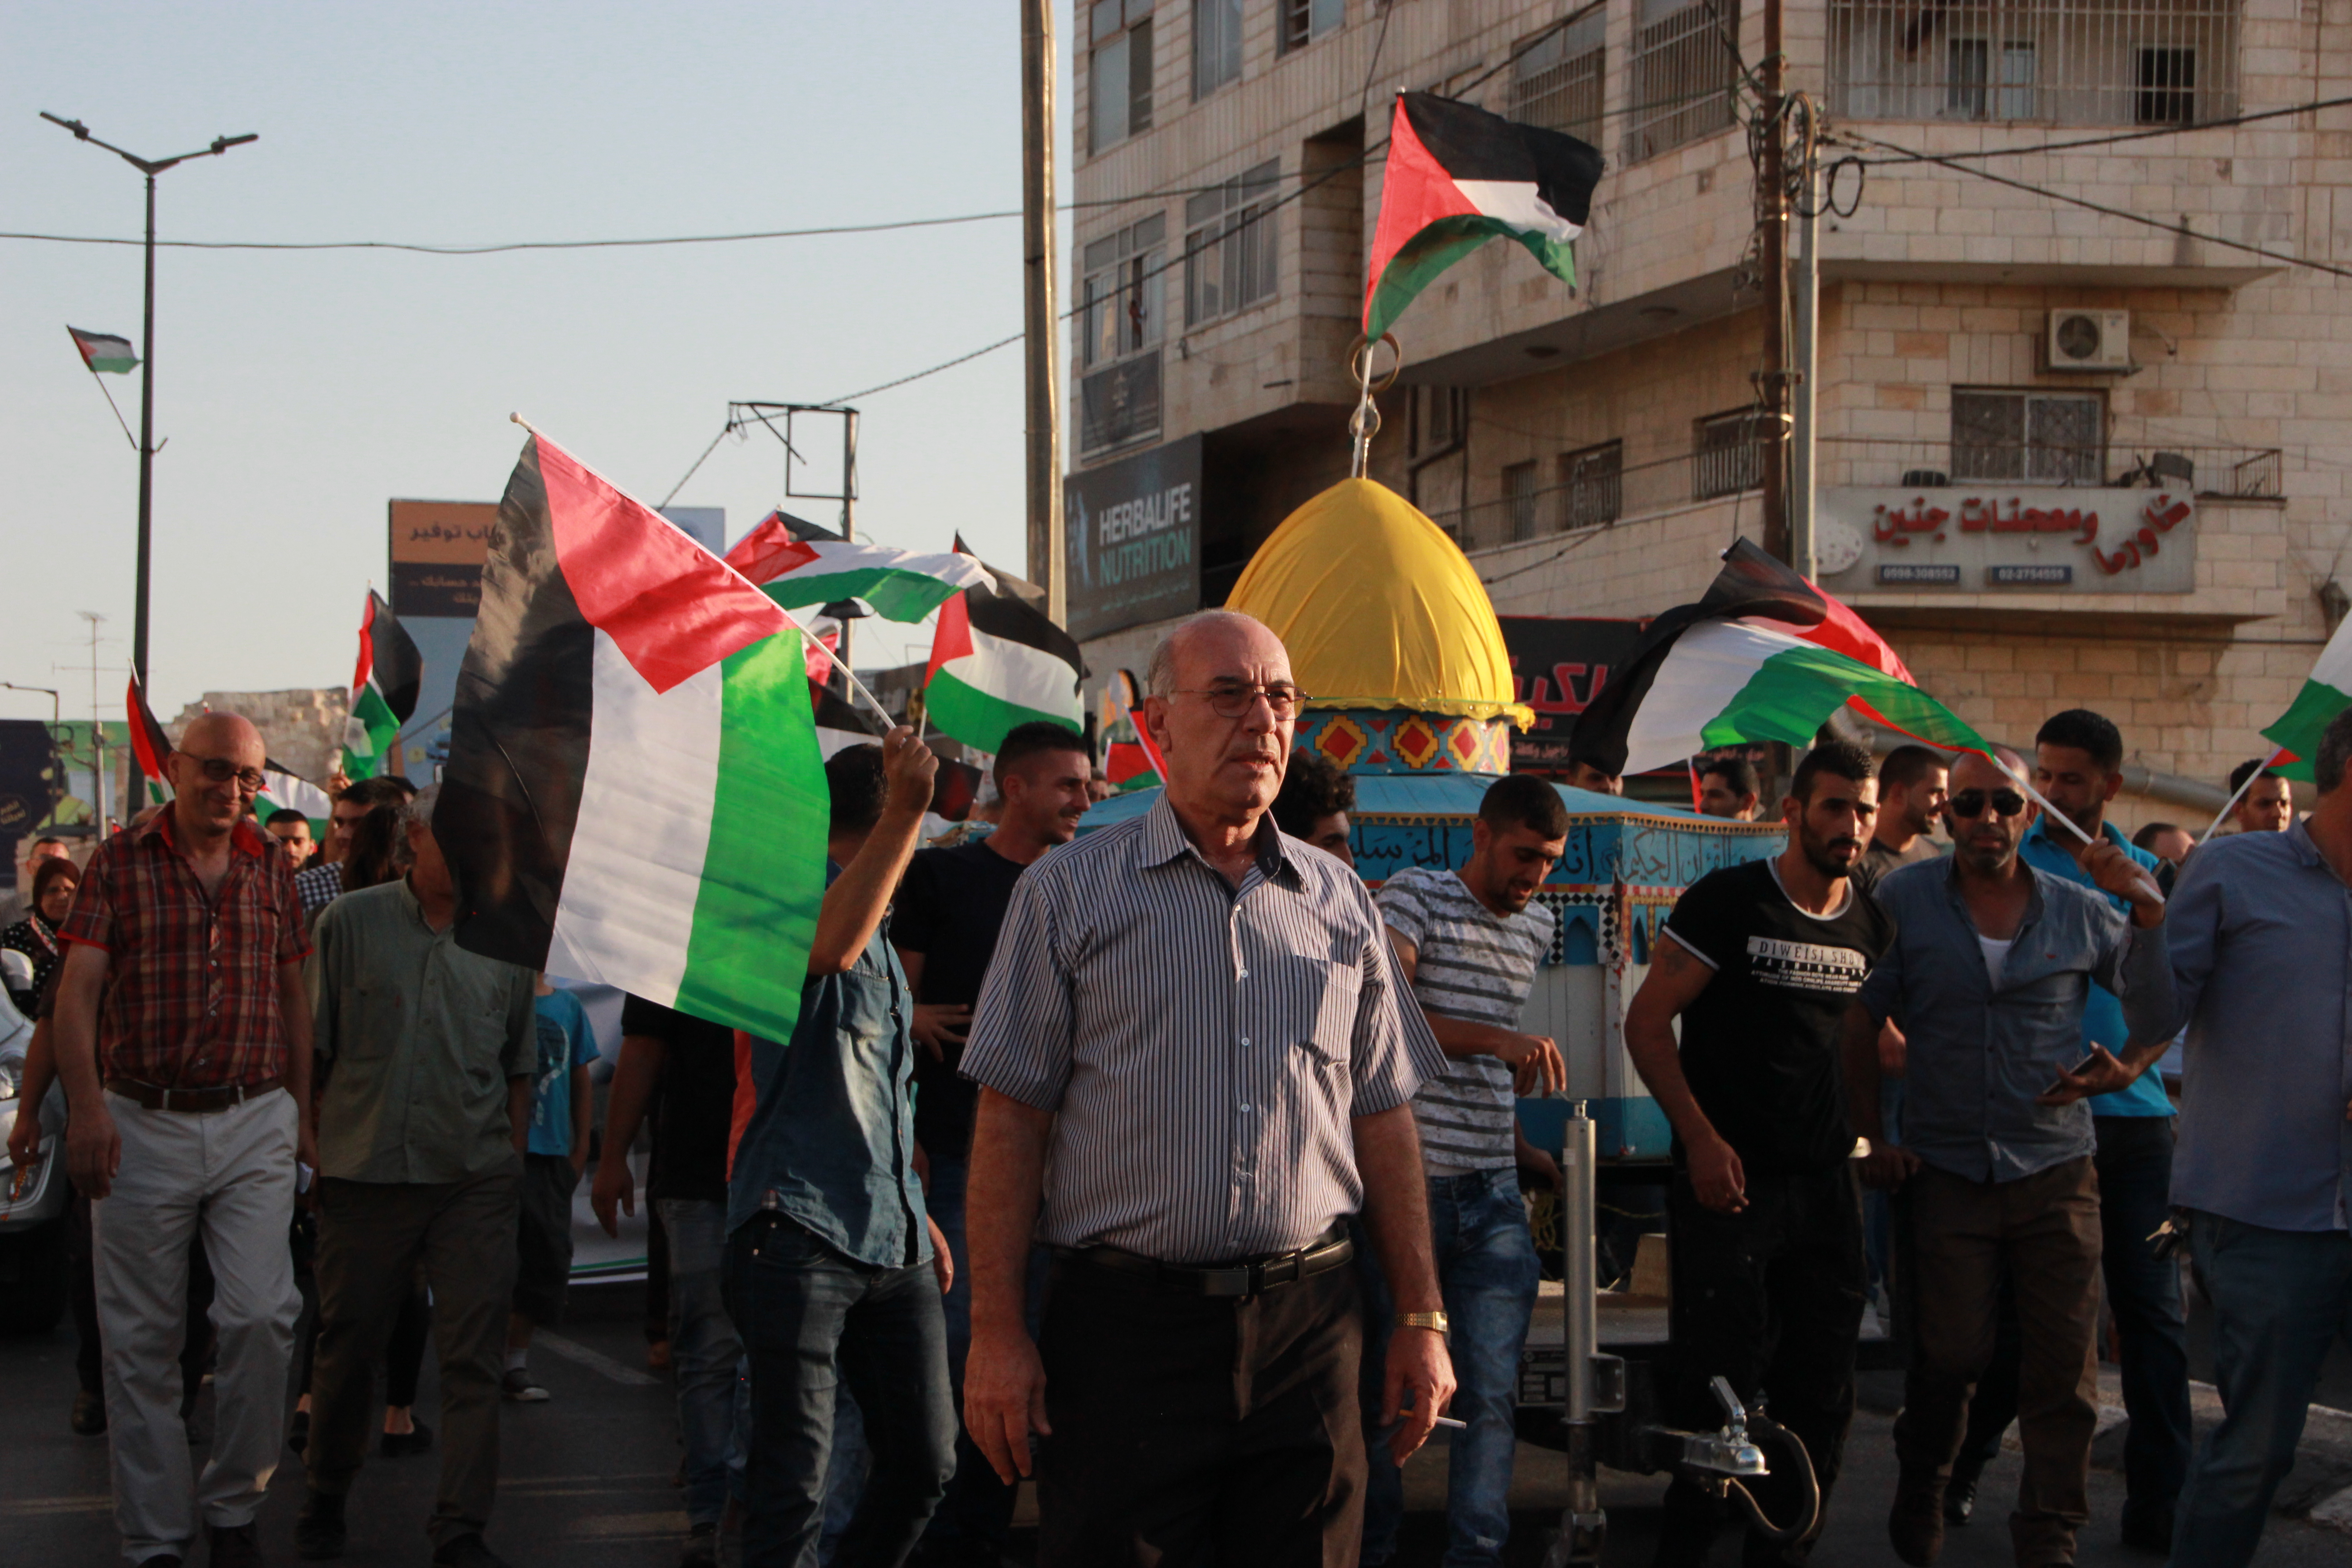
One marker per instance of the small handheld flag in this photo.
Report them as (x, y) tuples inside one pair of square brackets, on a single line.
[(383, 690), (104, 352), (149, 744), (900, 585), (997, 662)]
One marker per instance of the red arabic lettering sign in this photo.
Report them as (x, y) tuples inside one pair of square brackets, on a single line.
[(2006, 539)]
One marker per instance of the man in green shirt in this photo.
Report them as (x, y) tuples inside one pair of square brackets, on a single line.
[(425, 1053)]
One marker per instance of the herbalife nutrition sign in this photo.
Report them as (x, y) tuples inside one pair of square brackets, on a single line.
[(1134, 539)]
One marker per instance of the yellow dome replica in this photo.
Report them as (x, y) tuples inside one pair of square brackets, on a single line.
[(1379, 609)]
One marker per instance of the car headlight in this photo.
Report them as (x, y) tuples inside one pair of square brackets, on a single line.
[(12, 1072)]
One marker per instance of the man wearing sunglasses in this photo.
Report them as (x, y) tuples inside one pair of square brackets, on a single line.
[(181, 1018), (1992, 965)]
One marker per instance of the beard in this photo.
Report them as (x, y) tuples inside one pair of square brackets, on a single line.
[(1818, 853)]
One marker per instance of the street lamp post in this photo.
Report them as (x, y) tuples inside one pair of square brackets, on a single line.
[(151, 167)]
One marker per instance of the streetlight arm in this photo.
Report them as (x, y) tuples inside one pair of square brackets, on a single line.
[(150, 166)]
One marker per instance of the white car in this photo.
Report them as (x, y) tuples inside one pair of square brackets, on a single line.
[(33, 1282)]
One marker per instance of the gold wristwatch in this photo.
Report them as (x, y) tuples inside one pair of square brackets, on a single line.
[(1422, 1321)]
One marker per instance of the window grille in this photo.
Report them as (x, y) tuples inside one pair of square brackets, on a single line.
[(1557, 81), (1728, 455), (2068, 62), (1520, 501), (1440, 417), (1229, 244), (1121, 404), (1684, 64), (1216, 45), (2034, 438), (1119, 83), (1304, 21), (1592, 485), (1119, 298)]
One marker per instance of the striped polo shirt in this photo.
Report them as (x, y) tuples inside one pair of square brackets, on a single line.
[(1476, 965), (1204, 1049)]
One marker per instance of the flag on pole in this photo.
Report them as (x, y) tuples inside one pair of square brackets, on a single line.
[(149, 744), (995, 663), (104, 350), (900, 585), (2327, 691), (383, 690), (1457, 177), (282, 789), (1129, 760), (634, 794)]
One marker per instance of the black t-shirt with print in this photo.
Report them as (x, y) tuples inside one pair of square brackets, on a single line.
[(948, 907), (1759, 1046)]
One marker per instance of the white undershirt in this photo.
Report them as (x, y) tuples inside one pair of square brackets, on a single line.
[(1996, 953)]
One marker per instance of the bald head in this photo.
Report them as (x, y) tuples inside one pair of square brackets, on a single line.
[(215, 771), (1216, 679), (1164, 676), (224, 736)]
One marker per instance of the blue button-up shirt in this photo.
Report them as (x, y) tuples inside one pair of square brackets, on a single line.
[(831, 1140), (2103, 1012), (1979, 1054), (2261, 934)]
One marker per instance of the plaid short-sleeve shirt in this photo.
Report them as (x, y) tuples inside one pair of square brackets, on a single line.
[(192, 983)]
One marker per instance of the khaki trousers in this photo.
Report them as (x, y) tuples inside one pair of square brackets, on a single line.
[(2043, 1230), (232, 1174)]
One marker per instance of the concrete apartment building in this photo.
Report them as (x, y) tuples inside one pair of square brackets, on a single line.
[(2064, 458)]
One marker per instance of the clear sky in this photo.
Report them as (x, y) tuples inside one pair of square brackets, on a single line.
[(301, 391)]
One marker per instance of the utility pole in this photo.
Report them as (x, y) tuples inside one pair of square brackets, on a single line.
[(97, 728), (1047, 550), (1772, 217), (848, 508), (149, 167), (1803, 431)]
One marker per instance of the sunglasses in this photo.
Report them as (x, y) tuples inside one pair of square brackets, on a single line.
[(1970, 803), (220, 770)]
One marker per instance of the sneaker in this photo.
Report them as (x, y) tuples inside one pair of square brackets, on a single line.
[(406, 1445), (319, 1532), (466, 1551), (1915, 1525), (701, 1548), (1959, 1498), (520, 1389), (88, 1419), (236, 1546)]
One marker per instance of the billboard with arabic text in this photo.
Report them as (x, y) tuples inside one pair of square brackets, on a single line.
[(1995, 538), (1559, 664), (437, 551)]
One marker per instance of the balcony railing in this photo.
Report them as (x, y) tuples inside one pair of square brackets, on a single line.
[(2226, 473), (1602, 498), (1119, 405)]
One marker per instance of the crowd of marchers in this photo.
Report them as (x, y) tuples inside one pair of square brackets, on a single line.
[(1172, 1168)]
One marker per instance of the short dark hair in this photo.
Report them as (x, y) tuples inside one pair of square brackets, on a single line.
[(1313, 788), (2146, 837), (2335, 751), (1906, 765), (1023, 742), (1523, 800), (2094, 735), (1737, 774), (2251, 768), (385, 789), (1839, 759), (51, 868), (286, 814), (853, 775), (47, 838)]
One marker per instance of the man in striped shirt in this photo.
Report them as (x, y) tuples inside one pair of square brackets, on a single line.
[(1194, 1069), (1469, 941)]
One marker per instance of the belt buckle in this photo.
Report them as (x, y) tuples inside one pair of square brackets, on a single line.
[(1232, 1282)]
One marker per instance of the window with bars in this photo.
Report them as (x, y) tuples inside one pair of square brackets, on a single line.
[(1216, 45), (2034, 438), (1728, 455), (1304, 21), (1556, 82), (1229, 257), (1685, 62), (1119, 293), (1518, 502), (1592, 485), (2069, 62), (1118, 72)]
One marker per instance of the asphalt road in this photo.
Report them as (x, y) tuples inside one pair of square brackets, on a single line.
[(587, 1479)]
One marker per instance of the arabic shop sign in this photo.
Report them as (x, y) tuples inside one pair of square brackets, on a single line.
[(1133, 531), (1994, 538), (437, 551), (1559, 664)]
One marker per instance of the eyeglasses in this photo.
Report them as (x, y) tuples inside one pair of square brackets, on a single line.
[(220, 770), (1233, 698), (1970, 803)]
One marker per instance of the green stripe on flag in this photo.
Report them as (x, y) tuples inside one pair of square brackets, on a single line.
[(896, 596), (1792, 694), (764, 871), (2299, 728), (1440, 245), (982, 720), (372, 715)]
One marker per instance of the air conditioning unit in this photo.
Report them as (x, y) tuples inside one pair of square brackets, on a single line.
[(2089, 340)]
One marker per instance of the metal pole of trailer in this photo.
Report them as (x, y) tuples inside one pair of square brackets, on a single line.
[(1583, 1525)]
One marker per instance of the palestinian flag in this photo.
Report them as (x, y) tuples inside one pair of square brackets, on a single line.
[(1457, 177), (900, 585), (104, 350), (383, 690), (149, 744), (282, 789), (633, 796), (995, 663), (1129, 760), (1765, 656), (2327, 691)]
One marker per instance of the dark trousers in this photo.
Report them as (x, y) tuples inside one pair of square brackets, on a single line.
[(1770, 1298), (1193, 1430), (811, 1320), (372, 1237), (403, 1355), (1962, 1237)]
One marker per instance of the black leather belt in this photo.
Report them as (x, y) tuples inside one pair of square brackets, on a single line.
[(1249, 1277)]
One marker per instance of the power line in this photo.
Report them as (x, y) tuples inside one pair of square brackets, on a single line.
[(2112, 140)]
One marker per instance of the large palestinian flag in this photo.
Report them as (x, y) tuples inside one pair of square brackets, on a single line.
[(634, 794), (900, 585), (2326, 693), (383, 690), (995, 663), (1457, 177), (283, 789)]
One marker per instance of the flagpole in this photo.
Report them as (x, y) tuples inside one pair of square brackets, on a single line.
[(118, 412), (2232, 804), (809, 640)]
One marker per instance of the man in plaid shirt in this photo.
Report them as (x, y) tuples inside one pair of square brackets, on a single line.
[(184, 1042)]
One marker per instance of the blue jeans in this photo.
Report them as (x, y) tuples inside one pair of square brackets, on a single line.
[(814, 1321), (2134, 1164), (2279, 1296), (1486, 1268), (704, 1350)]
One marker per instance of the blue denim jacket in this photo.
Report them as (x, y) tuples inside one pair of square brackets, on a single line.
[(831, 1140), (2103, 1014), (1979, 1055)]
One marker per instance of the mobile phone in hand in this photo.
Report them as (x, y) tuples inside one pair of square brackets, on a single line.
[(2077, 1070)]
